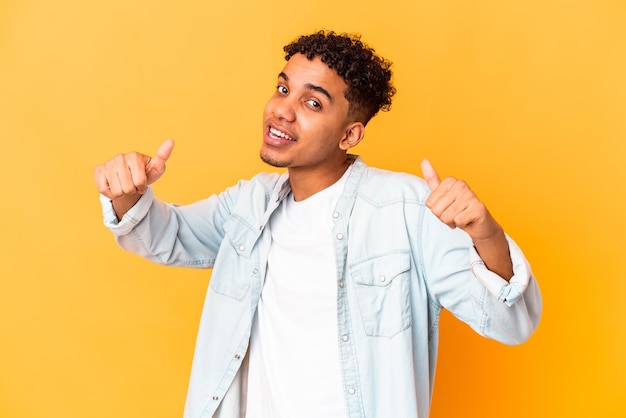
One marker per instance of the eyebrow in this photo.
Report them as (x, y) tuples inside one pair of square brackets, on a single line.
[(310, 86)]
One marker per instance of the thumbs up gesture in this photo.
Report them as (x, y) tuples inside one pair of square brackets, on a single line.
[(125, 177), (456, 205)]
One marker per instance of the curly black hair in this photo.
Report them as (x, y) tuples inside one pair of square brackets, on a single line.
[(367, 75)]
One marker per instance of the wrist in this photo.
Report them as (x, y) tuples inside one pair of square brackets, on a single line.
[(494, 251), (123, 204)]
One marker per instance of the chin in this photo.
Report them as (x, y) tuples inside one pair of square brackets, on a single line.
[(268, 159)]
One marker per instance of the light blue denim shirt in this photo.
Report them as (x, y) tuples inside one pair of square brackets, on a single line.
[(397, 267)]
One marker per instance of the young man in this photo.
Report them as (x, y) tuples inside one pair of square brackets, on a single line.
[(327, 281)]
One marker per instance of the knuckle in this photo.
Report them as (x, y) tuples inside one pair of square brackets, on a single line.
[(461, 185), (131, 156), (449, 181), (119, 158), (129, 189), (460, 221), (446, 218)]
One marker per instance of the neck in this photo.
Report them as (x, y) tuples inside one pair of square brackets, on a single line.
[(306, 182)]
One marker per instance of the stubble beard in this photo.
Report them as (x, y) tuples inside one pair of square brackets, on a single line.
[(269, 160)]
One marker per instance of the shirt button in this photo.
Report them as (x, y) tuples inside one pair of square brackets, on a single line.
[(255, 271), (237, 356), (215, 398), (336, 215), (383, 279), (242, 247), (340, 236), (345, 338), (351, 391), (341, 283)]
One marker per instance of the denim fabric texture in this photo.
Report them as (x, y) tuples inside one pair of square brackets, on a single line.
[(398, 266)]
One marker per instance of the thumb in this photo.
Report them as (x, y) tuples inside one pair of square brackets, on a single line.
[(157, 162), (430, 175)]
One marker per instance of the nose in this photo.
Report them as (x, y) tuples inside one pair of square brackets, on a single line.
[(283, 108)]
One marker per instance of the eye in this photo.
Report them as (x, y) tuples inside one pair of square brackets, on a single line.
[(282, 89), (314, 103)]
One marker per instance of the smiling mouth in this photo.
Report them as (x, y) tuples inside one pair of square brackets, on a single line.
[(276, 134)]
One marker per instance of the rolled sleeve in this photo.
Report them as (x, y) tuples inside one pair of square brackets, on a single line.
[(506, 291), (130, 218)]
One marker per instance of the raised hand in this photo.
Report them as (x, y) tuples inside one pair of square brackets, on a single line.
[(456, 205), (125, 177)]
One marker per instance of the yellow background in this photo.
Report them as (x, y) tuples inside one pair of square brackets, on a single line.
[(524, 99)]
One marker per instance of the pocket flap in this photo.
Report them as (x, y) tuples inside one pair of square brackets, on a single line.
[(240, 235), (381, 271)]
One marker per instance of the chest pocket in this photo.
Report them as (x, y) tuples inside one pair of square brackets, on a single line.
[(382, 290), (232, 273)]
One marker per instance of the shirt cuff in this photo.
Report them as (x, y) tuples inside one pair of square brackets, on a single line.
[(130, 218), (508, 292)]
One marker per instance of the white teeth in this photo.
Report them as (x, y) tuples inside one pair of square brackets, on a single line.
[(277, 133)]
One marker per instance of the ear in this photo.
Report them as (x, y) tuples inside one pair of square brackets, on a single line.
[(354, 134)]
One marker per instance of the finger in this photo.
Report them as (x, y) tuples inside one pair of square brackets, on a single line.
[(114, 188), (466, 218), (430, 175), (138, 178), (441, 196), (455, 215), (108, 178), (447, 200), (464, 209), (157, 162), (116, 175), (102, 182), (126, 173)]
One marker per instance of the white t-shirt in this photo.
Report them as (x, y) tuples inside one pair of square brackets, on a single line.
[(294, 355)]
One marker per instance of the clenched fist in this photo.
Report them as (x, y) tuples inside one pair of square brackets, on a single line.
[(125, 177), (456, 205)]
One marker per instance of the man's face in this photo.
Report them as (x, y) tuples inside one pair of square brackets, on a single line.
[(306, 118)]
